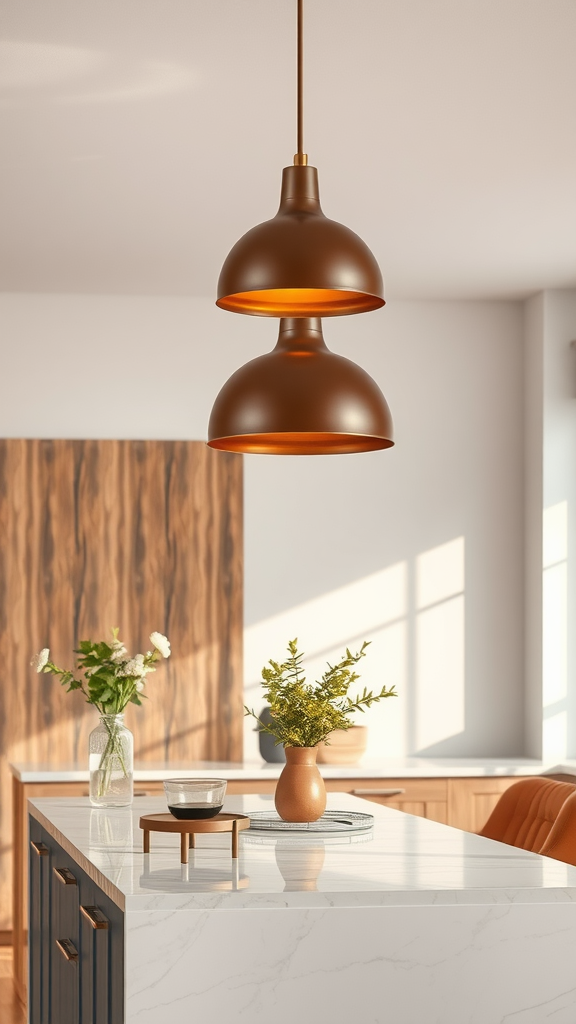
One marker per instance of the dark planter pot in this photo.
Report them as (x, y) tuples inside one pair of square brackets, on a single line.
[(268, 750)]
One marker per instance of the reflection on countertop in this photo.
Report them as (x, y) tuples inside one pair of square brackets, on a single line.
[(406, 860)]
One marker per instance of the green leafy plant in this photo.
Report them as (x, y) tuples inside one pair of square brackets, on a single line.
[(112, 679), (304, 714)]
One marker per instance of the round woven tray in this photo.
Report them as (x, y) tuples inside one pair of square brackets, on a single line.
[(332, 823)]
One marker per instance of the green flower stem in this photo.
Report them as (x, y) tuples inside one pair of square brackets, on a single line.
[(112, 749)]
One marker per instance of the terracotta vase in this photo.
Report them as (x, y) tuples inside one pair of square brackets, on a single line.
[(300, 793), (300, 868)]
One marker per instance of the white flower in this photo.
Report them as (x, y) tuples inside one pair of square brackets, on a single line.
[(134, 667), (161, 643), (118, 652), (140, 685), (40, 660)]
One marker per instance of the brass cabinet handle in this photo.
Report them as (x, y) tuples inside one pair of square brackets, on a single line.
[(65, 876), (95, 916), (68, 949), (40, 849), (377, 792)]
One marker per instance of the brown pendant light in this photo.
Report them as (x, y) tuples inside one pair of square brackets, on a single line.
[(300, 263), (300, 399)]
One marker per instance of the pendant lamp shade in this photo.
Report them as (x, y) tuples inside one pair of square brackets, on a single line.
[(300, 263), (300, 399)]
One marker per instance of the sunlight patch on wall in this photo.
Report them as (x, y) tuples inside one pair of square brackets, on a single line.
[(440, 573), (440, 666), (554, 734), (374, 608), (555, 534), (415, 621), (555, 634)]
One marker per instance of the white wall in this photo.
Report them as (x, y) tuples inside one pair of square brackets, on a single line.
[(559, 527), (419, 549), (550, 499), (534, 467)]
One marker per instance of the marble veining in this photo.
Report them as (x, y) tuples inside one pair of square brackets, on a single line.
[(417, 924), (444, 965), (406, 861)]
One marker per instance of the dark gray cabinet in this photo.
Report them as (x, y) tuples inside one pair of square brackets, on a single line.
[(76, 941), (39, 929)]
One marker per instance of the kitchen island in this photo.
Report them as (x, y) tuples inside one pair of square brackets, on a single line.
[(412, 923), (455, 791)]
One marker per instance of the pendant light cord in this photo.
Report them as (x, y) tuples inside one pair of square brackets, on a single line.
[(301, 157)]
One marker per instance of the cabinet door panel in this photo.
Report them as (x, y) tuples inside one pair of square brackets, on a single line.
[(425, 797), (39, 948), (413, 807), (87, 890), (102, 956), (64, 881), (437, 810), (95, 973), (109, 960), (419, 789), (65, 982), (472, 800), (76, 941)]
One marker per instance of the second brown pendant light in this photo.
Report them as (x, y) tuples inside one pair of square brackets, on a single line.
[(300, 399)]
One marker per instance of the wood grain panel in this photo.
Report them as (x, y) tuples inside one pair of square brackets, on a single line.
[(419, 789), (437, 811), (425, 797), (472, 800), (145, 535), (11, 1009)]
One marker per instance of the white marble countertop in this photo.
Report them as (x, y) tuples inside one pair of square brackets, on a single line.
[(405, 861), (409, 767)]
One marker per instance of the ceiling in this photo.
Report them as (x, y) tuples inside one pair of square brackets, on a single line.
[(141, 138)]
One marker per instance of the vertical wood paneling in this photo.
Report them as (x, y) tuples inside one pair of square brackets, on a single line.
[(140, 534), (472, 800)]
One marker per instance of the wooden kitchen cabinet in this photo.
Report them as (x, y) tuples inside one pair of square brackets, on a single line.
[(464, 803), (76, 941), (472, 800), (39, 928), (425, 797)]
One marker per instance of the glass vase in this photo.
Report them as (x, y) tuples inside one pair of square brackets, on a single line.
[(111, 763)]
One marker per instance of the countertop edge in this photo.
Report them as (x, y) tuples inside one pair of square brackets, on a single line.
[(326, 900), (87, 866)]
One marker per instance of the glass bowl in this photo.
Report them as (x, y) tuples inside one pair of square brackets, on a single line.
[(195, 798)]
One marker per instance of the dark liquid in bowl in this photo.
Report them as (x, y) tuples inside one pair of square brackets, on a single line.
[(188, 811)]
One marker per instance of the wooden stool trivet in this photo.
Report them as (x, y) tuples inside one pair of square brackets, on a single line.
[(187, 827)]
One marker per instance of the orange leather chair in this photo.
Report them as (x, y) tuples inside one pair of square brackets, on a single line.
[(526, 812), (561, 841)]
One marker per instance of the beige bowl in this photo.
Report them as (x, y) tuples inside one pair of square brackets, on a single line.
[(346, 746)]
